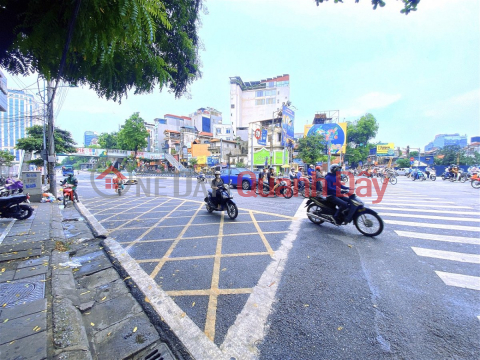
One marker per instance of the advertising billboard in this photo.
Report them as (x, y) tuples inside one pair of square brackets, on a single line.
[(288, 120), (385, 149), (335, 134), (263, 139)]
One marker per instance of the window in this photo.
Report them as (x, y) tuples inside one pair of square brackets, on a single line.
[(271, 84), (278, 101), (259, 93), (260, 102), (232, 106), (279, 137), (219, 131), (162, 121), (270, 101), (278, 93), (269, 93), (228, 131)]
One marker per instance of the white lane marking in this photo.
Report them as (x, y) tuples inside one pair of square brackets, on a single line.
[(6, 231), (249, 327), (420, 201), (447, 255), (459, 280), (424, 205), (426, 210), (426, 198), (434, 226), (421, 216), (436, 237)]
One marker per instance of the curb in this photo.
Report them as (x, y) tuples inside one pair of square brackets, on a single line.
[(69, 334), (117, 257), (98, 230)]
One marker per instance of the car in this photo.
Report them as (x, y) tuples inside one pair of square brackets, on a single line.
[(233, 174), (130, 178), (402, 171)]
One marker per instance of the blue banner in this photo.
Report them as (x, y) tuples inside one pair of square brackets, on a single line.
[(212, 161), (263, 139), (206, 124), (373, 151), (288, 120)]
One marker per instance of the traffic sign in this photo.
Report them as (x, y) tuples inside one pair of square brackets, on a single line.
[(412, 159), (257, 134), (412, 162)]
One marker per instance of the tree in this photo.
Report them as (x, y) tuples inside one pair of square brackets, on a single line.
[(108, 140), (359, 133), (311, 149), (6, 158), (112, 46), (33, 142), (193, 162), (410, 5), (133, 134), (451, 154), (240, 164), (403, 163)]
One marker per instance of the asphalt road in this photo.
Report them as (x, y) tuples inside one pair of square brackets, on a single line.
[(272, 285)]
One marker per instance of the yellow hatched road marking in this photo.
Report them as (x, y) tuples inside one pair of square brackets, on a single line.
[(152, 227), (203, 257), (262, 236), (209, 291), (172, 247)]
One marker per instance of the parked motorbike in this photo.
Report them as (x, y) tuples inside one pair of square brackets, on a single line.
[(12, 207), (367, 221), (225, 201)]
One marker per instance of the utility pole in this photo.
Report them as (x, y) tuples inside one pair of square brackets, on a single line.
[(251, 148), (44, 155), (51, 140)]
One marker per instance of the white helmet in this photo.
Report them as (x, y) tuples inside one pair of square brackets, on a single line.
[(217, 172)]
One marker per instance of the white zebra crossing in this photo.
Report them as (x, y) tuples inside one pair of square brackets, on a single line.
[(456, 212), (420, 205), (447, 255), (460, 280), (430, 217), (438, 237), (433, 226)]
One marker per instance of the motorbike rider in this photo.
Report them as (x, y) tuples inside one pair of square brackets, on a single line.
[(117, 182), (310, 170), (217, 184), (271, 177), (318, 182), (292, 174), (71, 180), (332, 186)]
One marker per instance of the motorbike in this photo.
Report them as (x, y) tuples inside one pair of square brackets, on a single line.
[(283, 189), (419, 175), (201, 178), (225, 201), (12, 207), (367, 221), (68, 194), (11, 187), (475, 181)]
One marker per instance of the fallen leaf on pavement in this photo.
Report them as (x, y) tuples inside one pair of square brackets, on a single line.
[(135, 329), (340, 328)]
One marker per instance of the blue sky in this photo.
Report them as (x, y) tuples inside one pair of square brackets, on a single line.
[(417, 74)]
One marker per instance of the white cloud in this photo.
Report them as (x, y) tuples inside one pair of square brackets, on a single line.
[(370, 101), (453, 104)]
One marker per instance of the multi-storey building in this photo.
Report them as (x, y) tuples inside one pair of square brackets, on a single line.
[(442, 140), (3, 92), (90, 138), (169, 122), (256, 101), (151, 137), (22, 113)]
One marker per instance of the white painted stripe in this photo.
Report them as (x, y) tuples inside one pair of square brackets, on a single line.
[(434, 226), (421, 216), (6, 231), (424, 205), (447, 255), (419, 201), (435, 237), (453, 212), (414, 197), (459, 280)]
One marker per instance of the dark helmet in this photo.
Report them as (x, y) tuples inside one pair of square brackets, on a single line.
[(334, 168)]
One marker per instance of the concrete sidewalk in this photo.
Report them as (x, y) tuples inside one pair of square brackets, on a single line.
[(61, 297)]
